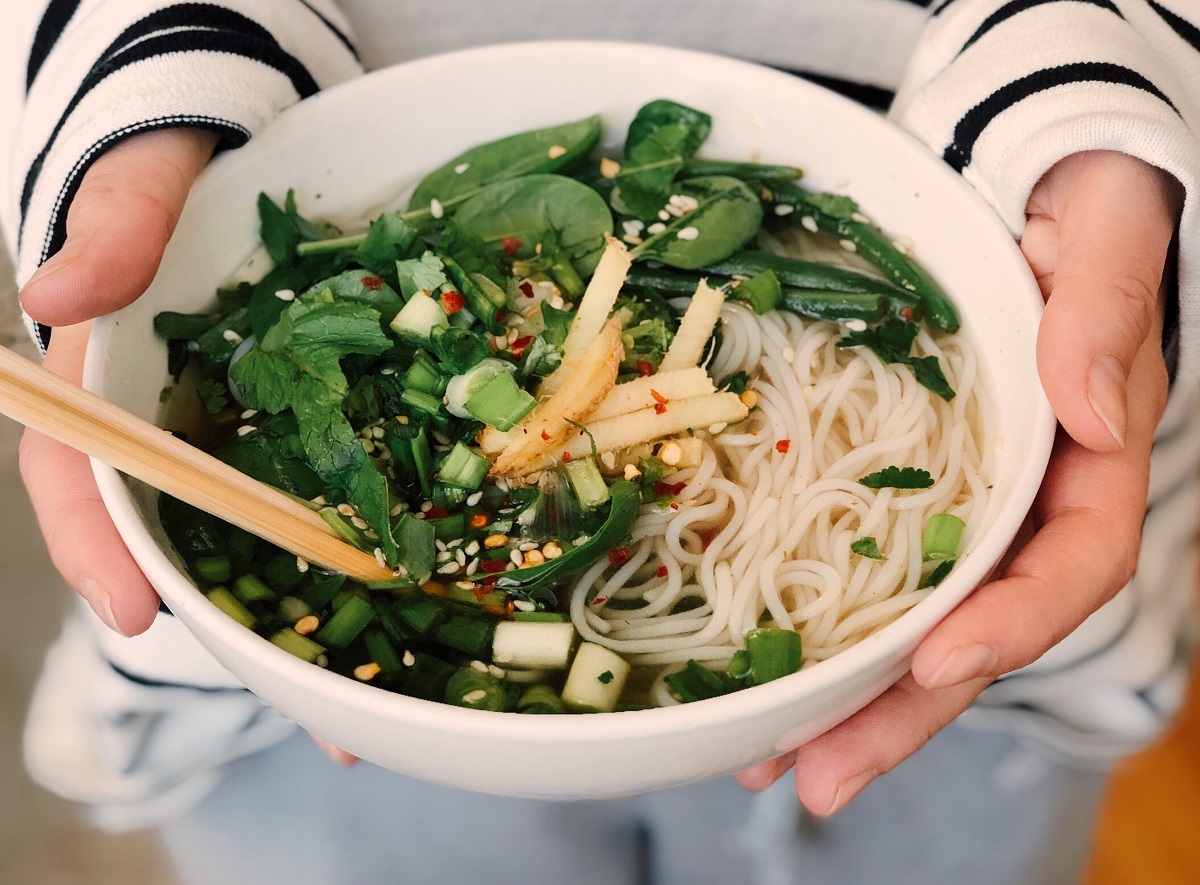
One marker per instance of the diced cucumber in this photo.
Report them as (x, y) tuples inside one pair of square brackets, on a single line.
[(533, 645), (595, 680), (586, 481), (418, 318)]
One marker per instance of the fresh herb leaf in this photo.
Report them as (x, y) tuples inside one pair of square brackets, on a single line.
[(557, 323), (939, 574), (695, 682), (388, 240), (213, 394), (662, 137), (605, 677), (898, 478), (892, 342), (282, 228), (427, 272), (869, 547), (736, 382)]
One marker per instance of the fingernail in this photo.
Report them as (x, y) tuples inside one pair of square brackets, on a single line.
[(100, 602), (1106, 393), (71, 250), (965, 663), (849, 789)]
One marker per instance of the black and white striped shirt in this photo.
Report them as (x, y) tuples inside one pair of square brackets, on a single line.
[(1001, 89)]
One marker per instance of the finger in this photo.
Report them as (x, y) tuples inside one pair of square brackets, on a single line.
[(338, 755), (1113, 220), (83, 542), (832, 769), (118, 226), (1085, 549)]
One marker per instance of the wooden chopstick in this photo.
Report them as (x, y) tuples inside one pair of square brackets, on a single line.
[(45, 402)]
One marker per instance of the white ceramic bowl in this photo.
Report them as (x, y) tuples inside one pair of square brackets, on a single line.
[(348, 151)]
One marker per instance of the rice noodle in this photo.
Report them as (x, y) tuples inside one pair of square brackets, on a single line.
[(779, 524)]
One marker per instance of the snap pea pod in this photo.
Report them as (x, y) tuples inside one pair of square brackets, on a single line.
[(811, 275), (760, 172), (623, 509), (839, 216)]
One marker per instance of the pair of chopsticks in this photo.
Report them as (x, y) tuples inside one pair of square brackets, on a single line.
[(66, 412)]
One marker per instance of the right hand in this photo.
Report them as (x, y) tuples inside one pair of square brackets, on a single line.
[(117, 228)]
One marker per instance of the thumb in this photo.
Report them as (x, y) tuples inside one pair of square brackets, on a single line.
[(118, 226), (1100, 230)]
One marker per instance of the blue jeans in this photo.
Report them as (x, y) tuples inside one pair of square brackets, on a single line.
[(972, 808)]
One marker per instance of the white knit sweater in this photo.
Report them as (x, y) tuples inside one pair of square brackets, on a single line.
[(1001, 89)]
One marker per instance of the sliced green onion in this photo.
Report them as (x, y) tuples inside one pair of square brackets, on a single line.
[(589, 486), (500, 402), (941, 538), (423, 375), (464, 468), (476, 689), (762, 291), (251, 589), (228, 603), (347, 622), (213, 568), (300, 646)]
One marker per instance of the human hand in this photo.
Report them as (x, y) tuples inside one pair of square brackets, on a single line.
[(117, 227), (1098, 236)]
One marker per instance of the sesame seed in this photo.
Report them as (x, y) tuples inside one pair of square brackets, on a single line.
[(461, 168), (440, 545), (472, 548), (444, 556), (496, 671), (855, 325), (552, 550), (371, 534), (409, 659), (398, 509), (426, 506), (527, 546), (673, 210), (632, 239), (435, 208), (860, 218), (664, 215), (784, 209), (249, 413), (474, 696), (448, 569), (359, 523), (848, 245), (245, 428), (809, 224), (474, 498), (461, 556), (379, 557), (524, 605), (657, 228), (472, 567), (510, 567), (609, 168), (516, 558), (301, 564), (556, 151), (377, 432), (476, 665), (231, 336), (689, 233), (346, 510), (633, 227), (285, 294)]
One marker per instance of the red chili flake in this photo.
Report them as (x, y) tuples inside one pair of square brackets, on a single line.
[(662, 571), (452, 302), (479, 592), (518, 347), (659, 408), (436, 513), (600, 600), (526, 289), (906, 314), (782, 446), (658, 397), (511, 245), (707, 536), (619, 555), (490, 582), (372, 283), (664, 489), (491, 566), (674, 506), (545, 436), (645, 368), (566, 457)]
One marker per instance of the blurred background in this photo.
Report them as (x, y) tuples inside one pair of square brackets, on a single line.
[(1147, 834)]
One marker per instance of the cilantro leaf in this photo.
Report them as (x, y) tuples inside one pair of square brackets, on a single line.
[(427, 272), (898, 478), (869, 547), (297, 366), (735, 383), (892, 342)]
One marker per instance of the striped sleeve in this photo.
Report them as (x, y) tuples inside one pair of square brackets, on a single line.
[(1003, 89), (101, 70)]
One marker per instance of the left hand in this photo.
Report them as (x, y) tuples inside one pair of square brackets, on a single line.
[(1099, 230)]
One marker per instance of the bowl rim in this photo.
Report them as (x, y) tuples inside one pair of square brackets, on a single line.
[(896, 638)]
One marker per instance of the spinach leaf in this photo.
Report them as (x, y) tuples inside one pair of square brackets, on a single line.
[(296, 365), (526, 153), (661, 139), (727, 216), (534, 208)]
